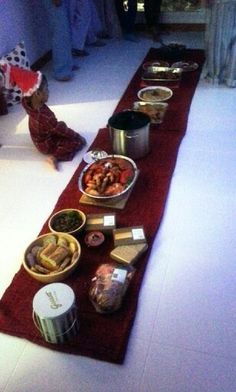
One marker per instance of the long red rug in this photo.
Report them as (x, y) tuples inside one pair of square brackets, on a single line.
[(105, 337)]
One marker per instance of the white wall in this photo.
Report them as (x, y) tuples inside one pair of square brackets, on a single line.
[(24, 20)]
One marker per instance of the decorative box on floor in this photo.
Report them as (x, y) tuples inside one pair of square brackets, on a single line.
[(55, 313)]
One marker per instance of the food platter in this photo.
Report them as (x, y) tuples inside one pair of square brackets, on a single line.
[(186, 66), (157, 63), (155, 94), (165, 74), (108, 178), (155, 110)]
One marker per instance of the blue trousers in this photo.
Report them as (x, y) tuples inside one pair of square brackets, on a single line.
[(58, 20)]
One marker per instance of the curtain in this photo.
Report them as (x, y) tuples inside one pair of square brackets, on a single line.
[(220, 42)]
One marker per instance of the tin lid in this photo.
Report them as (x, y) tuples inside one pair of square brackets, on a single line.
[(128, 120), (53, 300)]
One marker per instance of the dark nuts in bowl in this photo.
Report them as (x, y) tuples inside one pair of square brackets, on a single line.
[(70, 221)]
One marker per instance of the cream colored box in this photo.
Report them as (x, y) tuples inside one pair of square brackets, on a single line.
[(101, 222), (129, 236), (128, 254)]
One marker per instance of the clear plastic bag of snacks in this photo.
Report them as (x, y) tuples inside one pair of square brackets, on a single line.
[(109, 286)]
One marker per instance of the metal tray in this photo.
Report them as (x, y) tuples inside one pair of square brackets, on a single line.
[(157, 63), (162, 74), (186, 66)]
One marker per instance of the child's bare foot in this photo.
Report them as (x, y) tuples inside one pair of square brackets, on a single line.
[(53, 162)]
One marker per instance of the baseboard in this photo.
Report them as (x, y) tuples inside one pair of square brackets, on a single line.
[(175, 27), (183, 26)]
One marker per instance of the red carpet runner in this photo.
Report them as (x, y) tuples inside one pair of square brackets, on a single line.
[(105, 337)]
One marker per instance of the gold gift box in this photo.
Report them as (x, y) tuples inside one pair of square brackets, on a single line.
[(128, 254), (101, 222), (129, 236)]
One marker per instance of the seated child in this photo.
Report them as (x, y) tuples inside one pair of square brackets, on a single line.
[(50, 136)]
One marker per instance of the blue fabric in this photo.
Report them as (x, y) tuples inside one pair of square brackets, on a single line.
[(61, 38), (220, 66)]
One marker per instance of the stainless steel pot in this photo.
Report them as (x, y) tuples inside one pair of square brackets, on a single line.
[(129, 133)]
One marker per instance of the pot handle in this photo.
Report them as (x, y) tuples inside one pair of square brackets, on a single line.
[(133, 136)]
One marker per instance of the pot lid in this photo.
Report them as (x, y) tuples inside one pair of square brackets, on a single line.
[(129, 120)]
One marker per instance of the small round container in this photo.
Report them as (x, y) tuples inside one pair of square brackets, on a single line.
[(155, 110), (93, 239), (70, 221), (129, 133), (55, 313)]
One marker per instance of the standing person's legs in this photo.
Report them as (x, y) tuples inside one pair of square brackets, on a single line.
[(61, 40), (111, 19), (110, 25), (127, 17), (80, 17), (95, 27), (100, 8), (96, 21), (152, 10)]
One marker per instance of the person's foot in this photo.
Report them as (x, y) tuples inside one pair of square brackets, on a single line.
[(79, 53), (75, 67), (103, 35), (63, 78), (130, 37), (97, 43), (53, 163)]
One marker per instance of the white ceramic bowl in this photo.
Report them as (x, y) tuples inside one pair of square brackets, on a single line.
[(155, 93)]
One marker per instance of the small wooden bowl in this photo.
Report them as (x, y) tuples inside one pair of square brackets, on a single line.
[(56, 216), (55, 276)]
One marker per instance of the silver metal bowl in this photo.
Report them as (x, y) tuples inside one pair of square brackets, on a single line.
[(110, 197)]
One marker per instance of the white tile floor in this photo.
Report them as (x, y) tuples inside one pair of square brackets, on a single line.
[(184, 335)]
